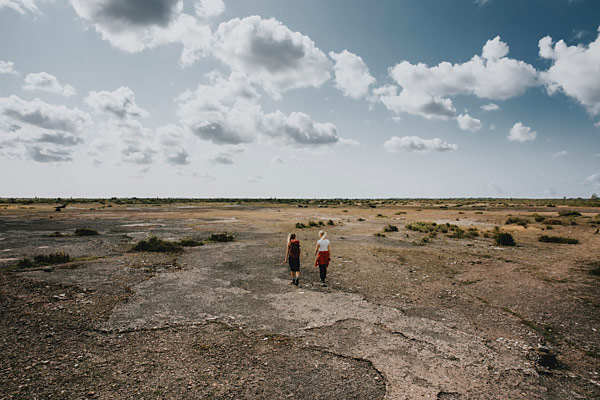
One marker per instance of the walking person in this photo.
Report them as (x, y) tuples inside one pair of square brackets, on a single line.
[(292, 255), (322, 252)]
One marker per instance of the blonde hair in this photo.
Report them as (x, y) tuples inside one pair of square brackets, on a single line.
[(322, 234)]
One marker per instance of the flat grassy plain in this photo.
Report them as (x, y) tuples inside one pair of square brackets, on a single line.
[(412, 309)]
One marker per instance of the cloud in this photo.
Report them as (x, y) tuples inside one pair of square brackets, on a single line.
[(496, 188), (521, 133), (597, 124), (418, 103), (7, 67), (254, 179), (468, 123), (352, 75), (20, 6), (137, 154), (594, 179), (560, 154), (43, 115), (205, 177), (278, 160), (171, 138), (177, 156), (209, 8), (418, 145), (119, 103), (271, 54), (45, 155), (550, 192), (574, 71), (490, 107), (222, 158), (425, 89), (43, 81), (226, 112), (135, 25)]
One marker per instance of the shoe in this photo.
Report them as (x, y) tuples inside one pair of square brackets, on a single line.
[(323, 284), (297, 281), (293, 282)]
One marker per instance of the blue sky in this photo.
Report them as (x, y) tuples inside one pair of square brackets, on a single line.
[(272, 98)]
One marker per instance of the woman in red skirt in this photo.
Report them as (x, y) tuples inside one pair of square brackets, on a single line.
[(322, 252)]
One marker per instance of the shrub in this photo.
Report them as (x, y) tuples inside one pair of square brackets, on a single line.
[(155, 244), (518, 221), (300, 225), (220, 237), (55, 234), (330, 222), (569, 214), (553, 222), (360, 219), (421, 226), (505, 239), (380, 216), (390, 228), (558, 239), (538, 218), (379, 234), (39, 260), (86, 232), (190, 242)]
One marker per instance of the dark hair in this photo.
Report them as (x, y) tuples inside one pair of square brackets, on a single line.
[(292, 236)]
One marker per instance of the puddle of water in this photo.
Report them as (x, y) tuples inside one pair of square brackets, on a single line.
[(462, 222)]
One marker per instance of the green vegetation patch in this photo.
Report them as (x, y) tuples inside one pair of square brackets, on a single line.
[(557, 239), (154, 244), (553, 222), (390, 228), (517, 221), (504, 239), (220, 237), (569, 214), (190, 242), (41, 260)]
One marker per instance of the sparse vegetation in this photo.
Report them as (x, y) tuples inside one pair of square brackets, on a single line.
[(553, 222), (538, 218), (330, 222), (86, 232), (380, 216), (390, 228), (41, 260), (379, 234), (190, 242), (557, 239), (300, 225), (154, 244), (220, 237), (55, 234), (504, 239), (360, 219), (569, 214), (517, 221)]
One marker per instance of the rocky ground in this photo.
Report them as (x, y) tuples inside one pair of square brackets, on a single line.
[(400, 318)]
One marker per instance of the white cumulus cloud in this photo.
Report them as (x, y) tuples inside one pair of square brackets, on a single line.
[(418, 103), (119, 103), (521, 133), (352, 75), (209, 8), (575, 71), (271, 54), (135, 25), (7, 67), (416, 144), (46, 82), (226, 112), (20, 6), (490, 107), (468, 123)]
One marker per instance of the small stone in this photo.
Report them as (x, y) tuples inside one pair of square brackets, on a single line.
[(48, 268)]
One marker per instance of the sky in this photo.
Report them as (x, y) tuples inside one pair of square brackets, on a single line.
[(300, 99)]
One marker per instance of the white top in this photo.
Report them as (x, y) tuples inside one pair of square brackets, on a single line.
[(323, 244)]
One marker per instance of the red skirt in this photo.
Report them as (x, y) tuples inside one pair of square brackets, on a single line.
[(322, 258)]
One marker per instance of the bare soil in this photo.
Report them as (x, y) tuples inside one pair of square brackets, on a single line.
[(400, 318)]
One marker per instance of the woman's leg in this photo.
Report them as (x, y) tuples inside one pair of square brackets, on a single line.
[(323, 272)]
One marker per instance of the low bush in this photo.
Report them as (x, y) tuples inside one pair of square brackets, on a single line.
[(330, 222), (190, 242), (380, 216), (379, 234), (558, 239), (504, 239), (553, 222), (300, 225), (360, 219), (517, 221), (569, 214), (157, 245), (538, 218), (220, 237), (390, 228), (41, 260), (55, 234), (86, 232)]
